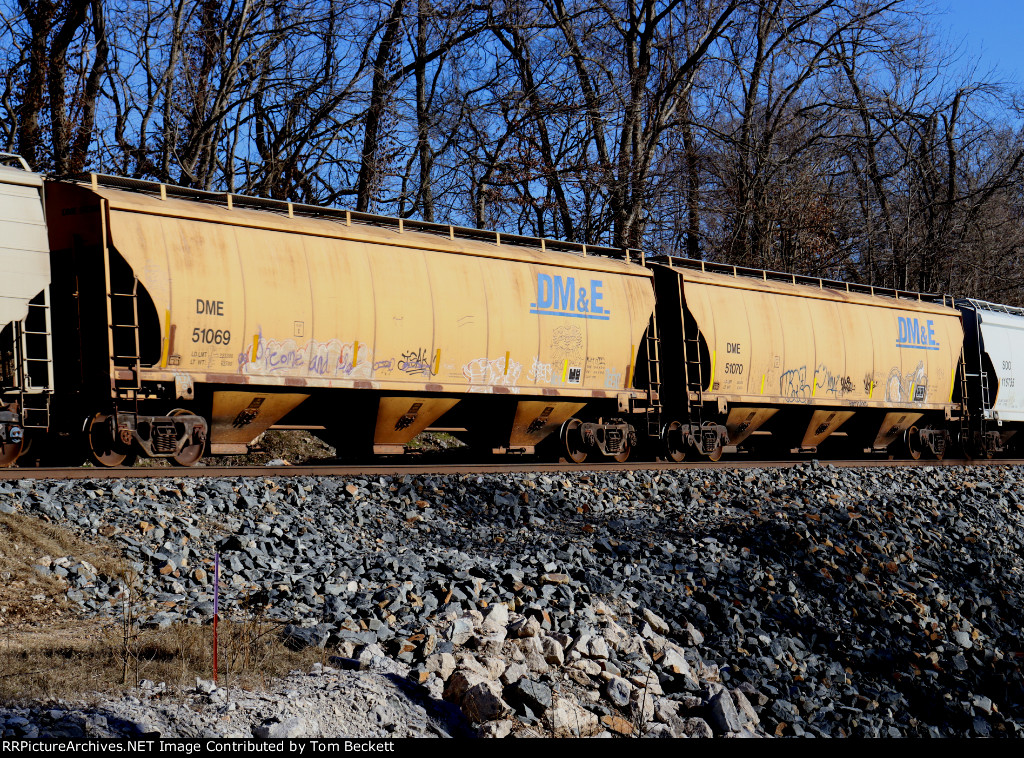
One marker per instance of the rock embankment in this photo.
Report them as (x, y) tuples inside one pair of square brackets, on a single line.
[(807, 601)]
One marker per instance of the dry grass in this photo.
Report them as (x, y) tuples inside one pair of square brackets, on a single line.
[(294, 446), (27, 596), (49, 650), (75, 660)]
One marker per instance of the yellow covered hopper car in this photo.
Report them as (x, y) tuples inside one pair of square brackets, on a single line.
[(205, 319), (747, 352)]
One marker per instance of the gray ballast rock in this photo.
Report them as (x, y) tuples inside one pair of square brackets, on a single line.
[(806, 601)]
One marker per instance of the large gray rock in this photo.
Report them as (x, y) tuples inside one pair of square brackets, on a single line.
[(618, 691), (291, 728), (552, 651), (533, 655), (723, 714), (496, 620), (567, 719), (696, 728), (658, 624), (479, 698), (536, 695)]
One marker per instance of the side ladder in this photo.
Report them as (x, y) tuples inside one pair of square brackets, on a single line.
[(965, 413), (694, 377), (33, 344), (980, 425), (653, 380), (123, 339)]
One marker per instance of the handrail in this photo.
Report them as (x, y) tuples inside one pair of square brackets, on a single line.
[(348, 217), (985, 305), (7, 157), (544, 244), (816, 281)]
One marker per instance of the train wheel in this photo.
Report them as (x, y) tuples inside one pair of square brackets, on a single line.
[(190, 454), (623, 455), (912, 443), (104, 450), (572, 441), (674, 442), (9, 453), (716, 453)]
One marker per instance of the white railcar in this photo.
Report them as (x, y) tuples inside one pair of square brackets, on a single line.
[(26, 371), (994, 364)]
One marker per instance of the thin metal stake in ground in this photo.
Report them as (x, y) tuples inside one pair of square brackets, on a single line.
[(216, 609)]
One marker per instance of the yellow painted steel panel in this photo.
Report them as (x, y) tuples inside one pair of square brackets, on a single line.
[(637, 296), (861, 328), (460, 319), (207, 303), (837, 348), (742, 422), (732, 337), (399, 419), (832, 380), (335, 228), (278, 304), (944, 361), (755, 284), (506, 288), (148, 248), (404, 331), (799, 354), (762, 366), (620, 313), (343, 328), (327, 311), (240, 417), (893, 426), (536, 419), (698, 302), (563, 349), (822, 424)]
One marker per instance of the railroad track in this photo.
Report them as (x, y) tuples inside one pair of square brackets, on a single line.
[(435, 467)]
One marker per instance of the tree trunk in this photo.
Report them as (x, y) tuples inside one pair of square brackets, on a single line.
[(369, 169)]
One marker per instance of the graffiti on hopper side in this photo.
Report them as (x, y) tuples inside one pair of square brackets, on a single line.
[(793, 384), (310, 358), (595, 371), (540, 373), (613, 378), (830, 384), (909, 387), (567, 339), (418, 362), (493, 372)]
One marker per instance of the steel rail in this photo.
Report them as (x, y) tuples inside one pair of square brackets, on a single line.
[(422, 468)]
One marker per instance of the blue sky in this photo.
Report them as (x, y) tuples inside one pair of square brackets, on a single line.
[(990, 30)]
